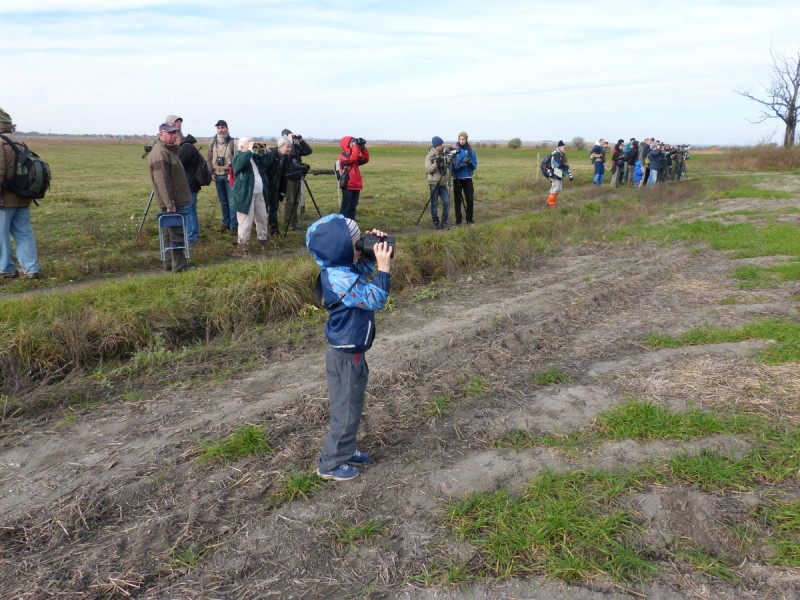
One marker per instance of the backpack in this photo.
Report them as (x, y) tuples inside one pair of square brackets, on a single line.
[(342, 174), (202, 173), (32, 176), (547, 166)]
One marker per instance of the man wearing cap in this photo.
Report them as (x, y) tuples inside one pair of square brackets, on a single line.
[(171, 189), (293, 177), (220, 159), (352, 290), (558, 163), (15, 213), (438, 174)]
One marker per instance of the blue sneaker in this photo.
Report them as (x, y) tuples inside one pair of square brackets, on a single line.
[(340, 473), (359, 458)]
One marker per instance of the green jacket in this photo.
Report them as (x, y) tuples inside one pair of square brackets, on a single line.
[(244, 178)]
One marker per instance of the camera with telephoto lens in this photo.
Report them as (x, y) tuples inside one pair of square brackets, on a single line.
[(220, 161), (366, 244)]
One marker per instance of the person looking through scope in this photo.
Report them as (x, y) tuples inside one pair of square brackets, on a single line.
[(437, 169), (294, 177)]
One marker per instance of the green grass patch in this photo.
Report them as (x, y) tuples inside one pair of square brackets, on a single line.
[(566, 526), (552, 376), (437, 406), (476, 386), (351, 534), (296, 485), (743, 240), (754, 276), (785, 334), (783, 519), (247, 440)]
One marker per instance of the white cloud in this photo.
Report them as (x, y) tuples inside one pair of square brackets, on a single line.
[(396, 70)]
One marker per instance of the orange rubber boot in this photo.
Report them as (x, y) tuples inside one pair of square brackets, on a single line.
[(551, 200)]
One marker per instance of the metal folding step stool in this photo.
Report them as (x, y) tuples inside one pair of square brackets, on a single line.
[(171, 220)]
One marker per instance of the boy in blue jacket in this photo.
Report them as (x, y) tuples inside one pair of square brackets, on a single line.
[(351, 299)]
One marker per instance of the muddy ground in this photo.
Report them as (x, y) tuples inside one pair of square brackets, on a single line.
[(98, 507)]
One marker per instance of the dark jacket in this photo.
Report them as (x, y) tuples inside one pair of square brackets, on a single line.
[(224, 150), (190, 157), (8, 167), (633, 154), (169, 179), (350, 299), (299, 150), (245, 180), (655, 156), (352, 158)]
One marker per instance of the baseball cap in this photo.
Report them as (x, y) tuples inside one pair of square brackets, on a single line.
[(167, 127), (221, 123)]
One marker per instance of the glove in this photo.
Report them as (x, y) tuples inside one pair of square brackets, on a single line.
[(467, 162), (440, 160)]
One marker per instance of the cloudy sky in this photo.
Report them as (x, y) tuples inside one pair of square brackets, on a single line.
[(401, 69)]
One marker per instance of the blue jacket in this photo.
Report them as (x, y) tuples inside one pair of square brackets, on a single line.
[(350, 299), (460, 170)]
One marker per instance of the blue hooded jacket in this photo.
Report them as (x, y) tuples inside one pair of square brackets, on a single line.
[(350, 299)]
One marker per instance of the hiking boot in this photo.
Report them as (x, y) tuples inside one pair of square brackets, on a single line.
[(235, 231), (437, 226), (340, 473), (223, 228), (241, 250), (32, 275), (264, 243), (360, 458), (12, 275)]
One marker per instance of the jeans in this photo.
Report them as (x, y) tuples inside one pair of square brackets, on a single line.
[(349, 203), (599, 171), (653, 179), (16, 223), (191, 221), (225, 195), (442, 192)]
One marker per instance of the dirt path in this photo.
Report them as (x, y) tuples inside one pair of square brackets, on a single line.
[(93, 509)]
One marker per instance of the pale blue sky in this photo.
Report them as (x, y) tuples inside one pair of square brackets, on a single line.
[(404, 70)]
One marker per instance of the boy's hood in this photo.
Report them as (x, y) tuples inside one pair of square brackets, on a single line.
[(328, 240), (345, 142)]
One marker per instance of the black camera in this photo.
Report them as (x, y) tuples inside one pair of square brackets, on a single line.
[(220, 161), (366, 244)]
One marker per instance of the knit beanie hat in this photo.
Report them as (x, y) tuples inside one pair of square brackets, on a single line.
[(5, 118), (436, 141), (560, 143), (285, 132), (464, 133), (352, 228)]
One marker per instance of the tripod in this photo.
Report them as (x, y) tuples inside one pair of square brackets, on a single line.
[(295, 201), (435, 190), (144, 216)]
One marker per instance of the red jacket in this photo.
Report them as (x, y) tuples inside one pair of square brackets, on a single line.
[(352, 158)]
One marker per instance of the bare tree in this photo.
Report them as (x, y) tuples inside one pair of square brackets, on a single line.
[(782, 96)]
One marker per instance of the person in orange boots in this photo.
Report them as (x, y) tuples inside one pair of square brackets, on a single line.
[(559, 167)]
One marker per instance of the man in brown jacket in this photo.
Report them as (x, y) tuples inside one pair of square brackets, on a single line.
[(15, 213), (171, 189)]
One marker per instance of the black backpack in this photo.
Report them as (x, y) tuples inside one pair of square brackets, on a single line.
[(202, 173), (547, 166), (32, 176)]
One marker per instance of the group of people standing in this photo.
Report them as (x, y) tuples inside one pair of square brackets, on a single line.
[(637, 163), (454, 165)]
